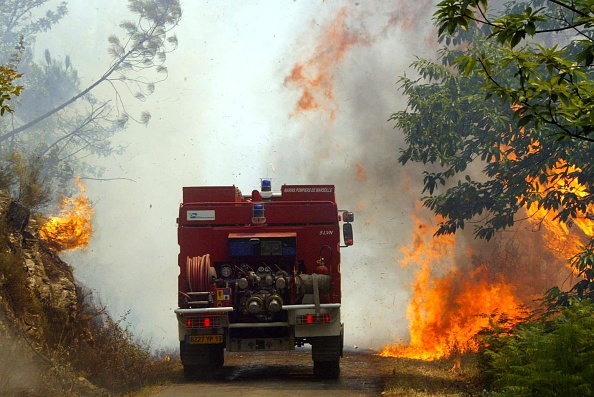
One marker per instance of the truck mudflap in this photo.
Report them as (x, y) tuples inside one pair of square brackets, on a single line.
[(201, 358), (326, 352)]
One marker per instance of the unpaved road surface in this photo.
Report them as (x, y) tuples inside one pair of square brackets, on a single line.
[(281, 374)]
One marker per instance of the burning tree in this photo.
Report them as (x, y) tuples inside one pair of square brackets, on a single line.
[(511, 97)]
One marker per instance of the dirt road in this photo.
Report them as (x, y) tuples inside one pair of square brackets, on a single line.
[(363, 373), (285, 374)]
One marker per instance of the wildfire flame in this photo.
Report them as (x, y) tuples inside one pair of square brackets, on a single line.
[(349, 28), (361, 176), (71, 229), (559, 238), (446, 312), (452, 297), (315, 77), (562, 178)]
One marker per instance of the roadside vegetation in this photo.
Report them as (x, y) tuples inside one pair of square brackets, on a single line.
[(64, 349), (458, 376), (550, 356), (60, 342), (502, 123), (49, 133)]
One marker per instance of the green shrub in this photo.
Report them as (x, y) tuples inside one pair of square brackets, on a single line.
[(546, 358)]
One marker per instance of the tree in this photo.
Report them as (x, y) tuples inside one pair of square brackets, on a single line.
[(512, 96), (7, 88), (549, 47), (59, 121)]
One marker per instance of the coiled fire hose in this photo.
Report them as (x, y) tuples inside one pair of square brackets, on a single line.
[(198, 273)]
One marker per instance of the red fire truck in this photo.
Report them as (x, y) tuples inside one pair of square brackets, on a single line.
[(260, 272)]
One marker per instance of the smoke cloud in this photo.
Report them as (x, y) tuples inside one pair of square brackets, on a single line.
[(301, 95)]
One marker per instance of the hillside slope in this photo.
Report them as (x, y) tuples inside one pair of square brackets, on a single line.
[(42, 313)]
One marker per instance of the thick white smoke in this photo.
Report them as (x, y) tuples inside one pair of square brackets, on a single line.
[(226, 115)]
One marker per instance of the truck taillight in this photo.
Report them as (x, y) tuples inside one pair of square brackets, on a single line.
[(306, 319), (203, 322)]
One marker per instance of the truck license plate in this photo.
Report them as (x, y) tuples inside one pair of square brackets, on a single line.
[(205, 339)]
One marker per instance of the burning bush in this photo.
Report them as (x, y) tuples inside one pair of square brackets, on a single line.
[(71, 229)]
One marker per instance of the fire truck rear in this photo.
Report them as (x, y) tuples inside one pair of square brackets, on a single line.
[(260, 272)]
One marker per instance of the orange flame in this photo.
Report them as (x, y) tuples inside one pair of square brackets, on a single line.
[(559, 238), (446, 312), (360, 176), (71, 229), (350, 28), (562, 178), (315, 77)]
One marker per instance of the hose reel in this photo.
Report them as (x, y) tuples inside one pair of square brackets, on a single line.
[(199, 273)]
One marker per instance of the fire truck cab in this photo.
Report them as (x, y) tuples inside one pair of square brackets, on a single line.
[(260, 272)]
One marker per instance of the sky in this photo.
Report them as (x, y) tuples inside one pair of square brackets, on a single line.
[(229, 114)]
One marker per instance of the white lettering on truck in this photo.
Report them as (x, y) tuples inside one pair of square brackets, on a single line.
[(309, 190), (201, 215)]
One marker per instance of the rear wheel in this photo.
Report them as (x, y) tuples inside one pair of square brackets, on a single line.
[(325, 353), (327, 369), (191, 371), (216, 357), (201, 360)]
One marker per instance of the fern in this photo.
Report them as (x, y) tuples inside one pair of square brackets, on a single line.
[(554, 358)]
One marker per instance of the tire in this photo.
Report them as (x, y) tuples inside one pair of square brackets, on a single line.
[(190, 372), (201, 359), (325, 353), (216, 357), (327, 369), (214, 361)]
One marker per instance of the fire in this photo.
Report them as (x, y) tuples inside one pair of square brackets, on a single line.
[(558, 236), (562, 178), (315, 77), (350, 28), (71, 229), (451, 311), (360, 176), (447, 311)]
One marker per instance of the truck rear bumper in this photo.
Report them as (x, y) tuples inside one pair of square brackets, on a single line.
[(303, 322), (207, 310)]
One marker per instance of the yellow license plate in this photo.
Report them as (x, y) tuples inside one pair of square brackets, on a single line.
[(205, 339)]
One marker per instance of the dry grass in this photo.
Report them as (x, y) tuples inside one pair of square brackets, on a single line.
[(107, 353), (449, 377)]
